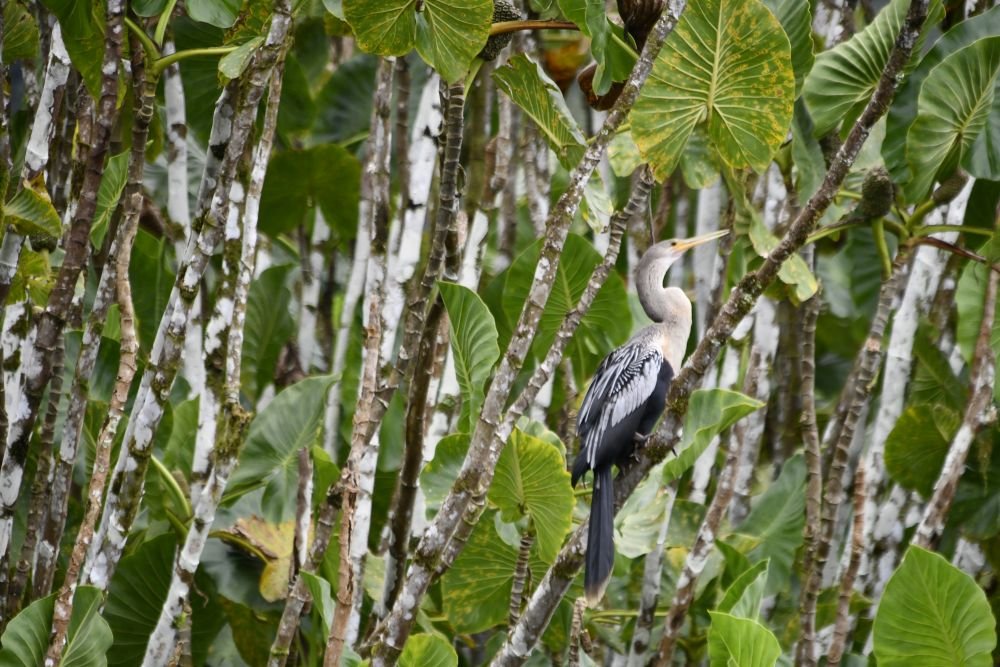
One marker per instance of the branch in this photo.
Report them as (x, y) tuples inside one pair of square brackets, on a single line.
[(505, 27), (979, 413), (840, 629), (542, 605)]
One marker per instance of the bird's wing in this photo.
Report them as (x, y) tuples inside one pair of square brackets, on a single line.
[(623, 383)]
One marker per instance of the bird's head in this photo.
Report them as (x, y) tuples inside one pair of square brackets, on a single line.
[(671, 250)]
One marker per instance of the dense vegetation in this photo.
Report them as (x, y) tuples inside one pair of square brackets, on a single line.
[(300, 300)]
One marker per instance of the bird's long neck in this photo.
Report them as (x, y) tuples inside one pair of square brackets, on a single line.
[(668, 307)]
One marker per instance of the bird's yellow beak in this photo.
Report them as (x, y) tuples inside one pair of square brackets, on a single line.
[(687, 244)]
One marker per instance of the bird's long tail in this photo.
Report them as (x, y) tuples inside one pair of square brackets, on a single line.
[(600, 537)]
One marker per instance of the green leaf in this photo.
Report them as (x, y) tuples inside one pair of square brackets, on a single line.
[(20, 33), (933, 614), (776, 522), (794, 271), (108, 196), (319, 589), (526, 83), (82, 26), (744, 596), (268, 327), (531, 479), (623, 155), (137, 593), (934, 381), (269, 459), (27, 635), (796, 20), (604, 327), (219, 13), (32, 213), (727, 64), (741, 642), (425, 650), (448, 34), (151, 269), (710, 411), (33, 277), (918, 444), (231, 65), (476, 590), (440, 473), (954, 104), (474, 343), (637, 525), (607, 41), (325, 175), (847, 74), (903, 111), (699, 164)]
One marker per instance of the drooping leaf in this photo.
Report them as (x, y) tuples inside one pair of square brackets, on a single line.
[(31, 212), (918, 444), (276, 542), (603, 328), (82, 26), (20, 33), (425, 650), (268, 327), (710, 411), (137, 593), (933, 614), (325, 175), (741, 642), (744, 596), (270, 457), (776, 522), (954, 104), (796, 20), (794, 272), (531, 479), (607, 41), (903, 111), (319, 589), (448, 34), (527, 84), (108, 196), (848, 73), (473, 343), (728, 64)]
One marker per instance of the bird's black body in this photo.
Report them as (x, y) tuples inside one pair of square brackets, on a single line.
[(625, 399)]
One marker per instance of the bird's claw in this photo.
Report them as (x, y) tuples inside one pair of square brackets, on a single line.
[(640, 439)]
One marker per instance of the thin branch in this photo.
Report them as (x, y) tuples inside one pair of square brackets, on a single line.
[(840, 629), (521, 574)]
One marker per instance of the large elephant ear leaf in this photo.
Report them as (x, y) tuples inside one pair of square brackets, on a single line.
[(932, 613), (447, 34), (953, 108), (727, 65), (847, 74)]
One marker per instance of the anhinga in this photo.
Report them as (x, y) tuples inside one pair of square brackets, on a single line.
[(627, 397)]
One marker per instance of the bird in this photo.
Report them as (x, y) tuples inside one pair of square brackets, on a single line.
[(627, 396)]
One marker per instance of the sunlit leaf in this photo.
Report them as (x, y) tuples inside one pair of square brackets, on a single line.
[(727, 64), (447, 33), (794, 272), (933, 614), (424, 650), (531, 479), (440, 473), (744, 596), (741, 642), (231, 65), (31, 212)]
